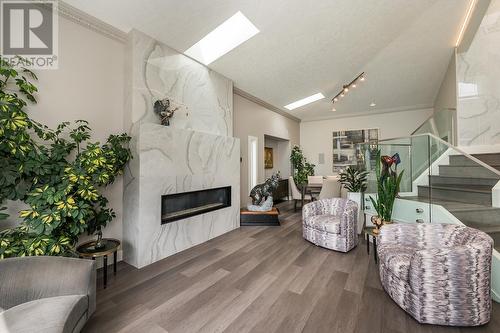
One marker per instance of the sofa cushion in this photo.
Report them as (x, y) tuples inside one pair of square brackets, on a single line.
[(59, 314), (397, 260), (327, 223)]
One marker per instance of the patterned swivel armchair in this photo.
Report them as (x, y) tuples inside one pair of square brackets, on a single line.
[(438, 273), (331, 223)]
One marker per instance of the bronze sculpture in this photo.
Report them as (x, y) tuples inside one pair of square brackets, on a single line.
[(162, 109)]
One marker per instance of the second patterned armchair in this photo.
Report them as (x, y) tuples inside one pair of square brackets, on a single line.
[(438, 273), (331, 223)]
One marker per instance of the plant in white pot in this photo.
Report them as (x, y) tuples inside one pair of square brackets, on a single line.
[(354, 181)]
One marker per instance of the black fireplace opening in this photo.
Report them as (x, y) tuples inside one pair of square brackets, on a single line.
[(187, 204)]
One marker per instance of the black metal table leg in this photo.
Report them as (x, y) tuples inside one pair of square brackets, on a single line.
[(303, 194), (375, 249), (105, 268), (114, 263), (367, 244)]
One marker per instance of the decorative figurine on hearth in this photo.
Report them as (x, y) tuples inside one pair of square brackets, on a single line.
[(261, 194), (162, 108)]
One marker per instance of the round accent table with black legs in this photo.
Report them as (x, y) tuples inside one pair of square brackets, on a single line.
[(88, 250), (368, 231)]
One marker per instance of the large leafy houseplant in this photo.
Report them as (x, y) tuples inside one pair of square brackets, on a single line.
[(353, 179), (57, 173), (388, 182), (301, 168)]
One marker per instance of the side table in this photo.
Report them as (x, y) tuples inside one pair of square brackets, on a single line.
[(368, 231), (88, 250)]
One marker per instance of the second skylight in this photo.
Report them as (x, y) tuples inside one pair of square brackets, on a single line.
[(304, 101)]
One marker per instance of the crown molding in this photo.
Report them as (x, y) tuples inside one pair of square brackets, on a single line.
[(264, 104), (90, 22), (426, 107)]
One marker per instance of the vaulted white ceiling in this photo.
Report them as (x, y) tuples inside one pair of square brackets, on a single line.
[(305, 47)]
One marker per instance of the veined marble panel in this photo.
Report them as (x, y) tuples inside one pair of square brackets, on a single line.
[(173, 160), (197, 151), (204, 97), (478, 74)]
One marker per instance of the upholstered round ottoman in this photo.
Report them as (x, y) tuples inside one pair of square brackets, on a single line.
[(438, 273), (331, 223)]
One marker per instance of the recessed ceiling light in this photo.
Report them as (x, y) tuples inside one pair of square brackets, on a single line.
[(372, 104), (304, 101), (231, 33), (334, 109)]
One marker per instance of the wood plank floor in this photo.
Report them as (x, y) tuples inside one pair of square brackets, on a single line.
[(257, 279)]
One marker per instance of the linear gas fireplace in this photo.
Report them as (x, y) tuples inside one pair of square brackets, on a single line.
[(186, 204)]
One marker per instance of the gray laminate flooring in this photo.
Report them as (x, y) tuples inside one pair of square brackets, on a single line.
[(256, 279)]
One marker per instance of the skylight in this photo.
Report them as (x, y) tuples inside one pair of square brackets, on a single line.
[(304, 101), (234, 31)]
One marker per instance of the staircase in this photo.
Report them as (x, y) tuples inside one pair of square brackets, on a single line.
[(464, 188), (447, 185)]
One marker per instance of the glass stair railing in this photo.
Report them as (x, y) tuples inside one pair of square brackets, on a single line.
[(443, 184), (442, 124)]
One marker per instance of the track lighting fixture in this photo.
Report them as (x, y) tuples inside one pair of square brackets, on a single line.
[(345, 87)]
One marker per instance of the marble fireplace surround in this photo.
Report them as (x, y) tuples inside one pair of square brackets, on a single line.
[(172, 161), (196, 152)]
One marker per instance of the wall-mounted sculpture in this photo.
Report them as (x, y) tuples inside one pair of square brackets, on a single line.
[(163, 109)]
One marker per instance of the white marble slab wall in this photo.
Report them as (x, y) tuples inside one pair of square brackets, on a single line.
[(478, 76), (204, 97), (196, 152)]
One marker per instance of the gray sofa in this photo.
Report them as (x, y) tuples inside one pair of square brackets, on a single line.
[(438, 273), (46, 294), (331, 223)]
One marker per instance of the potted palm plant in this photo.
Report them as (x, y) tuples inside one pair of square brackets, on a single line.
[(354, 181), (388, 182)]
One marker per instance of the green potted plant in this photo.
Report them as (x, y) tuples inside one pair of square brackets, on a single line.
[(58, 173), (301, 168), (354, 181), (388, 182)]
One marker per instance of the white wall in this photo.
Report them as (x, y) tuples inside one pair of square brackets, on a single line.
[(281, 157), (253, 119), (271, 143), (446, 97), (88, 85), (316, 136), (445, 104)]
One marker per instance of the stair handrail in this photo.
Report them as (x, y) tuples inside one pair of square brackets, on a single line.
[(450, 146)]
